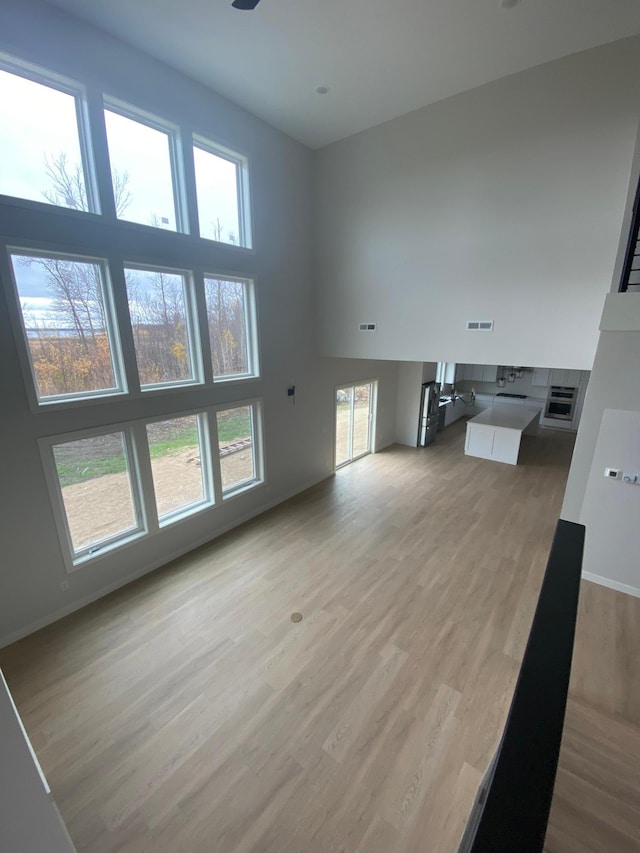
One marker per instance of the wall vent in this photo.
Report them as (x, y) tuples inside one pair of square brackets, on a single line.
[(368, 327), (479, 325)]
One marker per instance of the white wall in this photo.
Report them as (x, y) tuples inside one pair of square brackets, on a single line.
[(299, 439), (611, 508), (503, 203), (408, 408)]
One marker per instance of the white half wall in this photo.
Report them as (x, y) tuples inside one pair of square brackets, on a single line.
[(504, 203), (611, 508)]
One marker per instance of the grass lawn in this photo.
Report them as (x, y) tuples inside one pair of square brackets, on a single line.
[(79, 461)]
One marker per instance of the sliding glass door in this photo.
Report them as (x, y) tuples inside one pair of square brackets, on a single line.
[(354, 422)]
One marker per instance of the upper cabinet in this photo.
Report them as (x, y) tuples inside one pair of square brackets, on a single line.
[(479, 372), (540, 377), (569, 378)]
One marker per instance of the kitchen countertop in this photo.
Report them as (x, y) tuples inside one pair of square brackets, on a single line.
[(506, 416)]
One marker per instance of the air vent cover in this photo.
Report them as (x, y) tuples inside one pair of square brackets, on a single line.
[(368, 327), (479, 325)]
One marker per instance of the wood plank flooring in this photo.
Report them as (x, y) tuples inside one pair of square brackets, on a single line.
[(596, 805), (187, 712)]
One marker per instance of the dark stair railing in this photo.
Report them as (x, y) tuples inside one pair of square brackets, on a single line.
[(512, 808), (631, 268)]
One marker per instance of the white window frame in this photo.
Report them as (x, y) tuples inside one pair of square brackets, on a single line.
[(257, 428), (59, 82), (206, 468), (243, 194), (251, 326), (192, 323), (111, 327), (176, 159), (75, 560)]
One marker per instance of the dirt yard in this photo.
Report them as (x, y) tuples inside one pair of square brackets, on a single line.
[(360, 430), (101, 507)]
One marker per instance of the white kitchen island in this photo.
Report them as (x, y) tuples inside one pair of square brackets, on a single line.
[(496, 432)]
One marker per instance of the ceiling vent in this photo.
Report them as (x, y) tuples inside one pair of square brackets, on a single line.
[(368, 327), (479, 325)]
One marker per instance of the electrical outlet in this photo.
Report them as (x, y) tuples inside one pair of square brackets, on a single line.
[(613, 473), (64, 586)]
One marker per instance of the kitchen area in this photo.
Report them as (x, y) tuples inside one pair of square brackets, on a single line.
[(498, 400)]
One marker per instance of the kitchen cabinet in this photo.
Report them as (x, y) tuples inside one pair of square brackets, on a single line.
[(477, 372), (568, 378), (490, 372), (540, 377), (496, 433)]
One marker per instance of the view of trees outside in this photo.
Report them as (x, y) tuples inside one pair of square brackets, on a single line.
[(39, 120), (143, 155), (64, 313), (158, 310), (227, 321), (65, 322), (66, 309)]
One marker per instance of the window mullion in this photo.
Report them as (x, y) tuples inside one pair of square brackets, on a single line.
[(202, 323), (189, 181), (214, 445), (98, 137), (121, 306), (142, 477)]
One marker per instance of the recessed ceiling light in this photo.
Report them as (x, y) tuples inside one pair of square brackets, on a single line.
[(322, 90)]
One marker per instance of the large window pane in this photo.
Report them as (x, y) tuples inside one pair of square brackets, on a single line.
[(141, 172), (361, 419), (236, 446), (161, 322), (228, 320), (68, 326), (176, 463), (95, 482), (219, 202), (40, 153)]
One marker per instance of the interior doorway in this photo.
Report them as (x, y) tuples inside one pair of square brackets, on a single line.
[(354, 421)]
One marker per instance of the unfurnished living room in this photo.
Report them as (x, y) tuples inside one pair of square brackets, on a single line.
[(320, 420)]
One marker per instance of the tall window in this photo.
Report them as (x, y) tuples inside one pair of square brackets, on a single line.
[(103, 309), (179, 453), (163, 329), (144, 171), (221, 185), (237, 447), (67, 318), (43, 144), (230, 322), (101, 504)]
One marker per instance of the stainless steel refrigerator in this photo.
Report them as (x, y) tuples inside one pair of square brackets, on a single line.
[(429, 413)]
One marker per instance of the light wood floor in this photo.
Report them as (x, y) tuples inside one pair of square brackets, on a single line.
[(596, 806), (187, 712)]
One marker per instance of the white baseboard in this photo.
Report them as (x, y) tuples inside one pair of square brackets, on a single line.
[(79, 603), (611, 584)]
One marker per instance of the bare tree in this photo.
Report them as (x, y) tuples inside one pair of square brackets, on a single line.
[(68, 187)]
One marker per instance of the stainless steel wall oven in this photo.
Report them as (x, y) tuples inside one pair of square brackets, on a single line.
[(561, 403)]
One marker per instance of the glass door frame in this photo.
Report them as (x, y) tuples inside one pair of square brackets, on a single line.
[(371, 424)]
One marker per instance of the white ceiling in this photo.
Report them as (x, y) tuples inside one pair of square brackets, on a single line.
[(380, 58)]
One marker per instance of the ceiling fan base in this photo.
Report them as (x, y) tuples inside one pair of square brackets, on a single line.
[(245, 5)]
